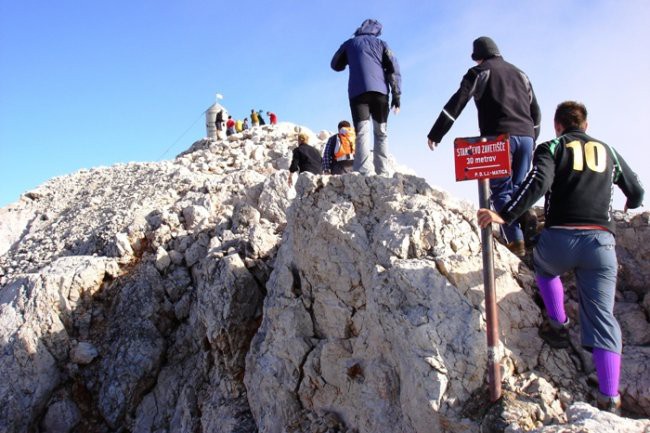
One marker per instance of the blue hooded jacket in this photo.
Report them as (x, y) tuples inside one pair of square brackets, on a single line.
[(373, 66)]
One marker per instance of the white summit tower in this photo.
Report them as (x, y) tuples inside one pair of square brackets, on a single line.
[(211, 117)]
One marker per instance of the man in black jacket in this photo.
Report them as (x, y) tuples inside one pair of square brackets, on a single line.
[(576, 173), (305, 158), (506, 104), (219, 124)]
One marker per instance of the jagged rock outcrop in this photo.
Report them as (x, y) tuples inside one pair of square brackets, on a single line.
[(585, 418), (634, 253), (204, 294), (36, 310), (359, 322), (374, 315)]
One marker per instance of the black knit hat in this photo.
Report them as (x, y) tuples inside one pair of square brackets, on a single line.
[(484, 48)]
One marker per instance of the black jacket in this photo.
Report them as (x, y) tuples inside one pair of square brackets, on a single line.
[(504, 99), (306, 158), (576, 173)]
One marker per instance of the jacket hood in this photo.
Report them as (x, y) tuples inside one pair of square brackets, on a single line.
[(369, 27)]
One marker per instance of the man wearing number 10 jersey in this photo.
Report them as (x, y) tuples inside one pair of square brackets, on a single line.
[(577, 173)]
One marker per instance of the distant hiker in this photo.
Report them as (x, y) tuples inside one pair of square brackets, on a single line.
[(338, 156), (305, 158), (373, 67), (260, 116), (576, 172), (244, 125), (230, 126), (255, 119), (273, 119), (506, 104), (218, 122), (239, 125)]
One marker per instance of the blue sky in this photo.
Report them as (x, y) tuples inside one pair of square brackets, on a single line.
[(86, 84)]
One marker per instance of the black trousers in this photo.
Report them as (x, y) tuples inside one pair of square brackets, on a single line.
[(369, 104)]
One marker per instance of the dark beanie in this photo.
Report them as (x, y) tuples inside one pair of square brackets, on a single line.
[(484, 48)]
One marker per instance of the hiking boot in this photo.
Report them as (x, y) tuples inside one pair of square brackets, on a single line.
[(555, 336), (609, 404), (518, 248)]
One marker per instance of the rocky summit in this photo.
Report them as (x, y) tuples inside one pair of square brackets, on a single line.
[(204, 294)]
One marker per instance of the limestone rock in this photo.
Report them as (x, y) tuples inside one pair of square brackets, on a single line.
[(635, 379), (83, 353), (194, 215), (123, 245), (34, 313), (634, 324), (205, 294), (162, 259), (14, 220), (61, 417), (584, 418), (633, 250), (360, 322), (133, 347)]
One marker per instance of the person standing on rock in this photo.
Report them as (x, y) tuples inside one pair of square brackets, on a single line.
[(338, 156), (244, 125), (305, 158), (506, 104), (577, 172), (230, 126), (255, 120), (219, 124), (273, 118), (373, 69)]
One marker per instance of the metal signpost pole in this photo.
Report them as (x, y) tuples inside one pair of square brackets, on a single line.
[(487, 245), (480, 159)]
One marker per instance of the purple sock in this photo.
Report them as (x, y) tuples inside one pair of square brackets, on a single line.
[(552, 293), (608, 370)]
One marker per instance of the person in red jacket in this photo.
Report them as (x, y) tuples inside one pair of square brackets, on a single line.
[(273, 119), (230, 126)]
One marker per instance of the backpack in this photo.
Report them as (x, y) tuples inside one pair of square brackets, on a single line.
[(344, 148)]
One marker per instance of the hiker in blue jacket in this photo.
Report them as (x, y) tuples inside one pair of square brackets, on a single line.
[(373, 68)]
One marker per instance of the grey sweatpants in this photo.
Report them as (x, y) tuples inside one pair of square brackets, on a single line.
[(370, 107), (592, 256)]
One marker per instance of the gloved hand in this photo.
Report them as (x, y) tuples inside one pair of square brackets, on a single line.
[(395, 102)]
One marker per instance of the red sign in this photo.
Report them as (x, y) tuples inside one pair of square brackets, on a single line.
[(476, 159)]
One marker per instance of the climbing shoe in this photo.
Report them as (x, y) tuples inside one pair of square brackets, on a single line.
[(556, 336), (518, 248), (609, 404)]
